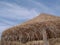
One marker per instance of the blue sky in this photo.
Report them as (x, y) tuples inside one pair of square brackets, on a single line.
[(13, 12)]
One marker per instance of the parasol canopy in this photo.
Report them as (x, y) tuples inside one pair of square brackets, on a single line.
[(42, 27)]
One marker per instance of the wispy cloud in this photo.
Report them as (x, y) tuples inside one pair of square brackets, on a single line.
[(39, 6), (43, 8), (16, 10), (48, 6)]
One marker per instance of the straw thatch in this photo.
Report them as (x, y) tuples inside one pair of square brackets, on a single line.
[(32, 30)]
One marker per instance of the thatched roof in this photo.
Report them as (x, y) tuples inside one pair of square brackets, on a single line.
[(32, 29)]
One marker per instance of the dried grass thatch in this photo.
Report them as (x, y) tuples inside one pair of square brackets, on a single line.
[(33, 30)]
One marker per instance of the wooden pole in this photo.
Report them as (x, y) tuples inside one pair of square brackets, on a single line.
[(46, 42)]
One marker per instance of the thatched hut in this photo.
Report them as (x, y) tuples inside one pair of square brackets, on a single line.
[(32, 29)]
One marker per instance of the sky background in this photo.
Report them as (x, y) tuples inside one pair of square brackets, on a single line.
[(13, 12)]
